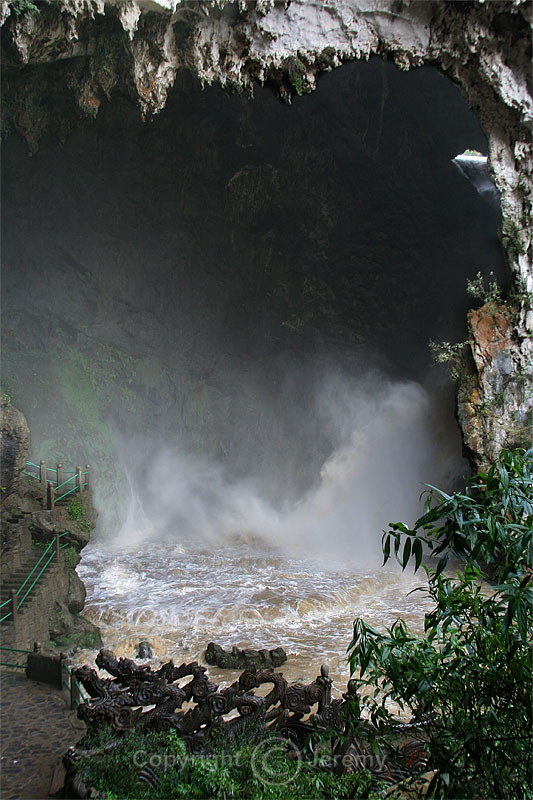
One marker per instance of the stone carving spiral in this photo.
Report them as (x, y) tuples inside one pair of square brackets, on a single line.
[(121, 701)]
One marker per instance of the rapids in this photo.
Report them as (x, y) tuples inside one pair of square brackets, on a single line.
[(204, 556), (183, 596)]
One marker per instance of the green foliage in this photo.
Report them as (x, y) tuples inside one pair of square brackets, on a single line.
[(23, 8), (76, 513), (468, 679), (450, 354), (513, 239), (296, 71), (37, 544), (489, 525), (70, 557), (298, 84), (88, 638), (227, 771), (6, 399), (486, 292), (453, 354)]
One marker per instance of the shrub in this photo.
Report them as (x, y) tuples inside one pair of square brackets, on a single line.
[(487, 291), (227, 771), (76, 513), (467, 680), (70, 557)]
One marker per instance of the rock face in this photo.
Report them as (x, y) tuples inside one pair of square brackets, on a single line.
[(51, 611), (79, 53), (495, 401), (14, 444), (244, 659)]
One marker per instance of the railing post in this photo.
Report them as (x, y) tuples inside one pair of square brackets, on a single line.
[(42, 468), (73, 692), (14, 609), (63, 658), (57, 544), (88, 470), (50, 496), (79, 479), (59, 474)]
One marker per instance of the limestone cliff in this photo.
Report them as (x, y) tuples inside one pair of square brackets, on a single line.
[(62, 63), (50, 611)]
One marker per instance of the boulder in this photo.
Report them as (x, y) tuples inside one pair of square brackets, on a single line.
[(244, 659), (144, 649), (70, 631), (76, 593)]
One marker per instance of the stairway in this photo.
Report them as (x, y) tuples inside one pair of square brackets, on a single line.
[(17, 578), (31, 622)]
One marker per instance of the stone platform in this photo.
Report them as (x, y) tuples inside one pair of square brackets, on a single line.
[(36, 729)]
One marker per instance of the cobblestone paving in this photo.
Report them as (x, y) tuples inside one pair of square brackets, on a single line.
[(36, 729)]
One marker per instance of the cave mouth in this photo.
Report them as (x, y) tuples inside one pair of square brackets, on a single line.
[(246, 281)]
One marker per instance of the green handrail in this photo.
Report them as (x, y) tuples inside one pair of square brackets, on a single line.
[(72, 473), (35, 567), (13, 650), (64, 482), (73, 680), (31, 573), (66, 493), (35, 581)]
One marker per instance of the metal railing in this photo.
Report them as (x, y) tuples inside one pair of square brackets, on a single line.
[(14, 599), (53, 480), (77, 693), (13, 650)]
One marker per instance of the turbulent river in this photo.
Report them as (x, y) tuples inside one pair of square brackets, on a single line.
[(181, 597), (205, 557)]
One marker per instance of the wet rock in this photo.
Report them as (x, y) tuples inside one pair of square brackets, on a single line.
[(14, 445), (144, 649), (42, 524), (244, 659), (76, 593), (71, 631)]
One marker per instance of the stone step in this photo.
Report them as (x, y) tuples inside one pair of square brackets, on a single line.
[(16, 580), (6, 595), (7, 586), (20, 575)]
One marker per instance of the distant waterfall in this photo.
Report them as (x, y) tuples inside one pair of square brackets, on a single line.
[(475, 169)]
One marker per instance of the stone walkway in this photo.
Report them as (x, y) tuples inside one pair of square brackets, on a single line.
[(36, 729)]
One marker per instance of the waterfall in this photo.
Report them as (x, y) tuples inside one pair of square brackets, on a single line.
[(474, 167)]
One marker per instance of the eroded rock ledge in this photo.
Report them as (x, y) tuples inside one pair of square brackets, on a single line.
[(62, 63)]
